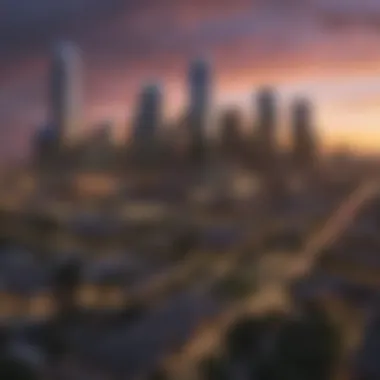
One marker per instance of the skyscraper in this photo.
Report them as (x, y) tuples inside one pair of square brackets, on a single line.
[(66, 91), (231, 142), (200, 88), (45, 147), (268, 154), (304, 144), (266, 128), (97, 151), (148, 117), (147, 123)]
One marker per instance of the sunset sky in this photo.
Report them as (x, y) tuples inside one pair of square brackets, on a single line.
[(327, 50)]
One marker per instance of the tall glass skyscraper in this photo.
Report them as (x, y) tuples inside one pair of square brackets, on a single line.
[(231, 133), (45, 146), (266, 108), (149, 113), (200, 88), (304, 144), (66, 91)]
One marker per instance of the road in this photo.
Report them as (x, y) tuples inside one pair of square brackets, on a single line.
[(273, 292), (180, 301), (158, 287), (215, 266), (139, 347), (334, 228), (134, 349)]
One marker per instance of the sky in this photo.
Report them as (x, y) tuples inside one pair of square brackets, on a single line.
[(326, 50)]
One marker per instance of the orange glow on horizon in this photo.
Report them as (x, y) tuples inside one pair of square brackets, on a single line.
[(236, 86)]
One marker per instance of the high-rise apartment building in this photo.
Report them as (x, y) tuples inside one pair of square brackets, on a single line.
[(200, 95), (66, 92)]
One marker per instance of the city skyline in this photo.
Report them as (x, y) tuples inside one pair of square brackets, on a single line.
[(65, 114), (265, 114), (297, 48)]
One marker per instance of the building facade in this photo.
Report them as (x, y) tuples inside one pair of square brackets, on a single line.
[(65, 93)]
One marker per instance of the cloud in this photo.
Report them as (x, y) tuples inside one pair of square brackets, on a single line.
[(350, 14), (125, 41), (27, 28)]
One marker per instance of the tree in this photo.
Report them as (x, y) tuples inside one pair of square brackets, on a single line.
[(213, 368), (307, 349), (326, 337), (243, 340), (158, 374), (244, 349), (14, 369)]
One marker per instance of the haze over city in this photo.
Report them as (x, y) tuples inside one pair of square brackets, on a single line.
[(189, 190), (327, 51)]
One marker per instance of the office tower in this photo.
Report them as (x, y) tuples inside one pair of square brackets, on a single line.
[(266, 129), (304, 144), (66, 92), (98, 149), (231, 140), (45, 147), (200, 88), (268, 156), (148, 117)]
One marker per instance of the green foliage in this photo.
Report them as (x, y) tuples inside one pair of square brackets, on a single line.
[(307, 349), (304, 349), (244, 339), (13, 369), (158, 374), (212, 368)]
